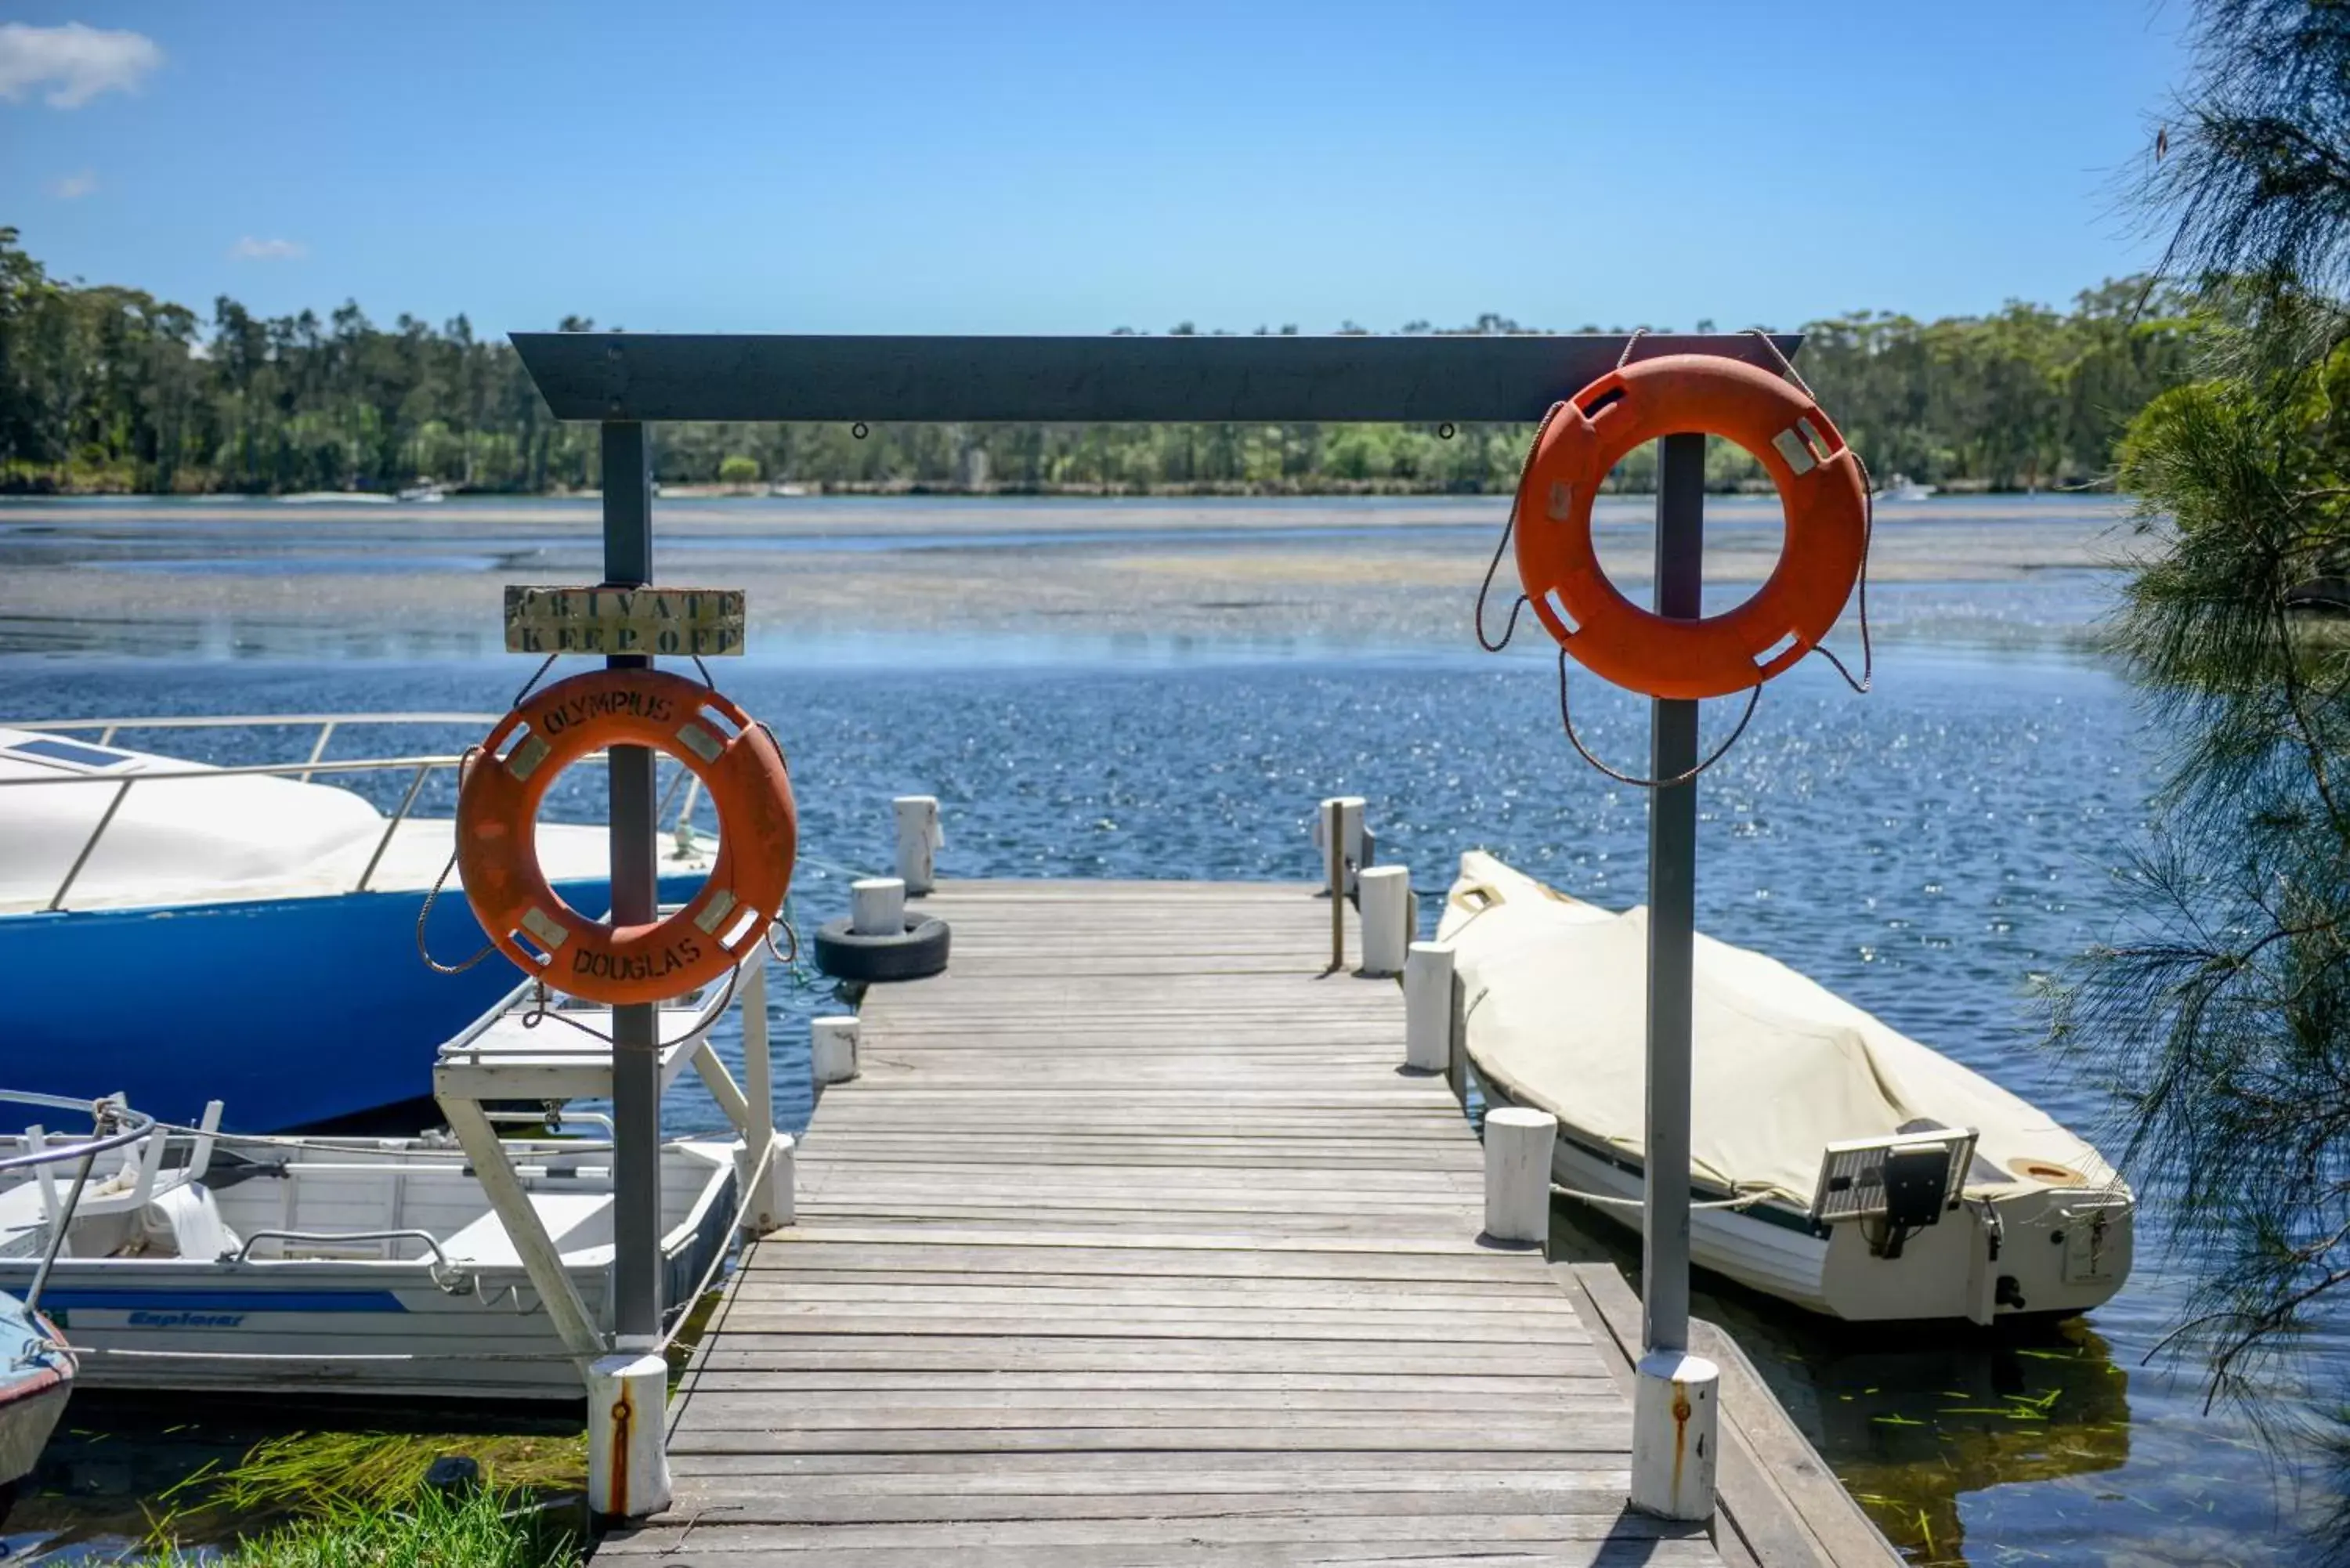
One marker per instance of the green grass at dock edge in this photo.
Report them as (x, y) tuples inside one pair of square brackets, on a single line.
[(428, 1530)]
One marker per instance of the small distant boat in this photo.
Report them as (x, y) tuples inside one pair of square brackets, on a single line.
[(374, 1267), (270, 917), (1873, 1178), (793, 487), (421, 495), (1901, 487), (336, 498)]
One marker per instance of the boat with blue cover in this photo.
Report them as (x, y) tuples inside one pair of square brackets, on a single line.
[(249, 932)]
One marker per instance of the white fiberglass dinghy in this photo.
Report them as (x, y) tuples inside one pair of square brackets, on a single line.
[(310, 1265), (1882, 1180)]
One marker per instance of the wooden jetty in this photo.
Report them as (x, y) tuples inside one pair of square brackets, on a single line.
[(1134, 1244)]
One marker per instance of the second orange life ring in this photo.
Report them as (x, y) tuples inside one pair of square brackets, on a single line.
[(739, 764), (1820, 486)]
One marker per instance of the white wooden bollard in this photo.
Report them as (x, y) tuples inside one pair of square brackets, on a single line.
[(1385, 899), (918, 841), (1675, 1435), (1351, 833), (1428, 1007), (877, 907), (766, 1202), (628, 1462), (1518, 1143), (832, 1049)]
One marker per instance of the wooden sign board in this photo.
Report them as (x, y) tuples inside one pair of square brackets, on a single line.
[(681, 621)]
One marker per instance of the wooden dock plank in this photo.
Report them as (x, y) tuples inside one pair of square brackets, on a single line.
[(1133, 1245)]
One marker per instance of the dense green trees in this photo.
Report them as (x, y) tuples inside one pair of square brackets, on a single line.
[(104, 387), (2220, 1011)]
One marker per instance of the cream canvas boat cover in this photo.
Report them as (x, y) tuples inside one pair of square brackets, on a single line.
[(1557, 1014)]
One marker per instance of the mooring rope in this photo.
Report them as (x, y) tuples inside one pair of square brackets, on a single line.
[(742, 1190), (1612, 1200), (1566, 722)]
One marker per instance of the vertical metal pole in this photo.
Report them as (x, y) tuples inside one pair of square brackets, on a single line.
[(636, 867), (1337, 870), (1672, 913)]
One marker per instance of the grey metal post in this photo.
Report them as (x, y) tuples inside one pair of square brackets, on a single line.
[(1672, 913), (636, 895)]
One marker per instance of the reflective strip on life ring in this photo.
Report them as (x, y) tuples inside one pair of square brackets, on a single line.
[(1820, 487), (498, 853)]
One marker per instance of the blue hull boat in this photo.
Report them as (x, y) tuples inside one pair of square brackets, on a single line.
[(293, 1012), (246, 933)]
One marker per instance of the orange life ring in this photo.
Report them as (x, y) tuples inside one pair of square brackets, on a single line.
[(1820, 487), (497, 808)]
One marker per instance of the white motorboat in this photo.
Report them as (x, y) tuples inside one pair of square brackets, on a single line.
[(368, 1266), (1901, 487), (267, 900), (1856, 1172)]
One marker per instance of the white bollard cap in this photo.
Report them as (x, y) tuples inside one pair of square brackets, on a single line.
[(877, 906), (1678, 1366)]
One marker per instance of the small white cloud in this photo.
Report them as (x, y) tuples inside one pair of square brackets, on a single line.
[(75, 62), (74, 187), (251, 249)]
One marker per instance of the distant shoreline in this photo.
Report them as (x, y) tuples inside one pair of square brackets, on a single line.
[(1334, 489)]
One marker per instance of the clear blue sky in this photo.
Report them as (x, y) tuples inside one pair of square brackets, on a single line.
[(874, 167)]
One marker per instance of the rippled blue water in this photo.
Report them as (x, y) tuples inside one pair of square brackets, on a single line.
[(1929, 851)]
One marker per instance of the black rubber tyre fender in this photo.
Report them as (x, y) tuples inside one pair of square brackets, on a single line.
[(919, 950)]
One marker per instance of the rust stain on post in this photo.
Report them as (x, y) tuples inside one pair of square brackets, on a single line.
[(624, 1417), (1680, 1431)]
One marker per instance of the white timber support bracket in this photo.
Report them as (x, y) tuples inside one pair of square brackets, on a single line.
[(766, 1202), (540, 1258)]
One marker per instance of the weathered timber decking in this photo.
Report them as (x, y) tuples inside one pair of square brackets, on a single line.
[(1133, 1245)]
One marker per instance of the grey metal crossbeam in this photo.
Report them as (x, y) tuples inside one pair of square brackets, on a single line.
[(631, 376)]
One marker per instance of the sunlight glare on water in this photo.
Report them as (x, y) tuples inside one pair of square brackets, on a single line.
[(1932, 852)]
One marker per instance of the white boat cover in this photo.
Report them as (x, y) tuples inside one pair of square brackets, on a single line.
[(1558, 1010), (204, 839)]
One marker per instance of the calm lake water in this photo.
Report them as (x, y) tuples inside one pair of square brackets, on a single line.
[(1930, 851)]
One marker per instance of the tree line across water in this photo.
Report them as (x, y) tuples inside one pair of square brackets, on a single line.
[(107, 388)]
